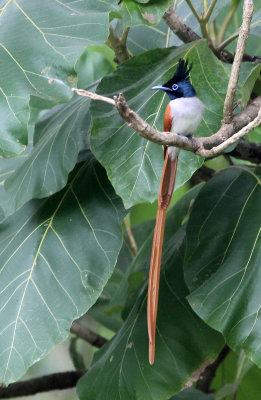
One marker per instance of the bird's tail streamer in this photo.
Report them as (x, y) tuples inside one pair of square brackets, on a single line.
[(165, 193)]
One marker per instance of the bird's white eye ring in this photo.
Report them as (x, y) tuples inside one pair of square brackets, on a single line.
[(175, 86)]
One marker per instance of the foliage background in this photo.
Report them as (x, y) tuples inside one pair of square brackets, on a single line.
[(51, 225)]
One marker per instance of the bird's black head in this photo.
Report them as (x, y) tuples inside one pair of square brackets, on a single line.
[(179, 85)]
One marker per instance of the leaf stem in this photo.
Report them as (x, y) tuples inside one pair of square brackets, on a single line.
[(168, 37), (224, 26), (132, 240), (226, 42), (193, 10), (209, 11), (242, 359)]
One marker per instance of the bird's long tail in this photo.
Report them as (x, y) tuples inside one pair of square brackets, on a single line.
[(165, 193)]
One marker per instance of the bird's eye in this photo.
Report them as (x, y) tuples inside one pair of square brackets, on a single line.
[(175, 86)]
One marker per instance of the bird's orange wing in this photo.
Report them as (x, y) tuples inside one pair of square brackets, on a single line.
[(167, 119), (167, 124)]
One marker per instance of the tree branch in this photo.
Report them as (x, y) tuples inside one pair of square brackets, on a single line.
[(58, 381), (183, 31), (187, 35), (248, 151), (209, 373), (248, 9), (86, 334), (210, 146)]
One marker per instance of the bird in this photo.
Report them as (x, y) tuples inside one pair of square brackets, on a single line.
[(183, 115)]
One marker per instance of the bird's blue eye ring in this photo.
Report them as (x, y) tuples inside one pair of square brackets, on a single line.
[(175, 86)]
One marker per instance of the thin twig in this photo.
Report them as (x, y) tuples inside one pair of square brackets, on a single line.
[(132, 240), (58, 381), (248, 9), (86, 334), (93, 96)]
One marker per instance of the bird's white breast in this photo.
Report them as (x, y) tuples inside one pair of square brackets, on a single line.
[(187, 113)]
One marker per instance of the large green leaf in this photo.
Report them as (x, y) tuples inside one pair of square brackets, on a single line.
[(144, 37), (59, 136), (122, 368), (107, 309), (94, 64), (249, 377), (192, 394), (223, 258), (39, 45), (56, 256), (143, 14), (134, 164)]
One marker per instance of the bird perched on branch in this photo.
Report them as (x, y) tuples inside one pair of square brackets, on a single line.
[(182, 116)]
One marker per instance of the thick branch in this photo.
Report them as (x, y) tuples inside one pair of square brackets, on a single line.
[(183, 31), (209, 373), (248, 151), (248, 9), (86, 334), (204, 146), (59, 381)]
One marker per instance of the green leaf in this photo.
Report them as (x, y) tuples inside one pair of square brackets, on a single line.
[(134, 164), (122, 368), (143, 14), (94, 64), (143, 38), (56, 257), (107, 309), (255, 27), (57, 33), (248, 389), (230, 388), (249, 82), (223, 258), (59, 136), (192, 394), (8, 166)]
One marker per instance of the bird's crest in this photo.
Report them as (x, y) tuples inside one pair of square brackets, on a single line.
[(182, 71)]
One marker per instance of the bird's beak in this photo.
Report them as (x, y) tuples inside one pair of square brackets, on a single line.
[(161, 88)]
